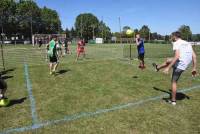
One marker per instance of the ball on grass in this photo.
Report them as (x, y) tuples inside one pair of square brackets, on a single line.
[(4, 102)]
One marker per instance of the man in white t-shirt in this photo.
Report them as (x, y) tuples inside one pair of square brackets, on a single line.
[(183, 56)]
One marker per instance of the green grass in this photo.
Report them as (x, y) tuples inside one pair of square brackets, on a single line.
[(103, 80)]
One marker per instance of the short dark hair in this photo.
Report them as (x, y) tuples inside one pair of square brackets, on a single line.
[(137, 33), (176, 34)]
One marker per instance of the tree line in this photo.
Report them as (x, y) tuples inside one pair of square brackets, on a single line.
[(88, 26), (146, 33), (25, 17)]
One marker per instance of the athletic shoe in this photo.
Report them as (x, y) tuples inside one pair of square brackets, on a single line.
[(168, 100), (172, 102), (50, 73), (1, 96), (155, 67)]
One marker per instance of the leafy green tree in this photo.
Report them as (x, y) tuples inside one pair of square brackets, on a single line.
[(125, 28), (68, 33), (167, 38), (7, 9), (73, 33), (196, 37), (50, 21), (186, 33), (104, 31), (27, 16), (86, 25), (136, 31), (144, 32), (116, 34), (154, 36)]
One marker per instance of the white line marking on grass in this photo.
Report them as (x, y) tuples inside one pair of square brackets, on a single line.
[(30, 93), (91, 114)]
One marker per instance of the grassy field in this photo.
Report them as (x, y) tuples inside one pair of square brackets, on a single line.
[(105, 93)]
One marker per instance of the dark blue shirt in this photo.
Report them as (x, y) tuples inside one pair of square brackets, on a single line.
[(140, 47)]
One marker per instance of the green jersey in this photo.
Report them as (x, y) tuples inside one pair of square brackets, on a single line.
[(52, 45)]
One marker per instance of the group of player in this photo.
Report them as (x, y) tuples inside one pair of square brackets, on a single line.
[(183, 56), (54, 52)]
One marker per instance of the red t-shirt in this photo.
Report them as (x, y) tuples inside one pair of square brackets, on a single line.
[(81, 45)]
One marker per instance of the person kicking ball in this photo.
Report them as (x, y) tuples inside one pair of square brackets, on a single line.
[(184, 55)]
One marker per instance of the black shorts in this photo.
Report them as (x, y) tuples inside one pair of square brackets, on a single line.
[(58, 48), (3, 85), (53, 59), (141, 56), (176, 74)]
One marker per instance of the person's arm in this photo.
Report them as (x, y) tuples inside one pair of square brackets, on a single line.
[(176, 57), (138, 42), (194, 61)]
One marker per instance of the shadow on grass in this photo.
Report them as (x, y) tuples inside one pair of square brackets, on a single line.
[(179, 96), (16, 101), (7, 71), (6, 77), (60, 72), (135, 77)]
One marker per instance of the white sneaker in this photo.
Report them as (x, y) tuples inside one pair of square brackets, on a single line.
[(172, 102), (1, 96)]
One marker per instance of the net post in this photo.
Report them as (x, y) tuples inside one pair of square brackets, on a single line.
[(2, 55), (130, 51)]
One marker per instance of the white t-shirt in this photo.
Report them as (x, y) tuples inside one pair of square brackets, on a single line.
[(186, 51)]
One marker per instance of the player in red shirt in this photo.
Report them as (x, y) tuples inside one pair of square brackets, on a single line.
[(80, 48)]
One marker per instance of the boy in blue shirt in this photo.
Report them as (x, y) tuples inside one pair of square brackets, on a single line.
[(141, 51)]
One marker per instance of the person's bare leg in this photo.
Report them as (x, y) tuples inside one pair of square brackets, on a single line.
[(140, 63), (55, 67), (50, 67), (174, 87), (165, 64), (143, 63), (77, 56)]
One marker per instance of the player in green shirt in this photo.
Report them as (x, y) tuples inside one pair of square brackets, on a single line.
[(53, 57)]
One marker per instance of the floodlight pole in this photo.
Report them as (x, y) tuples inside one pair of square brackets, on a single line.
[(149, 35), (120, 30), (31, 20), (102, 28), (93, 31)]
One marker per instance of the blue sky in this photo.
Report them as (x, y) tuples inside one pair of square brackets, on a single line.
[(162, 16)]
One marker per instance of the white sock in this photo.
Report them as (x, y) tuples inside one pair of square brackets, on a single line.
[(1, 96)]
